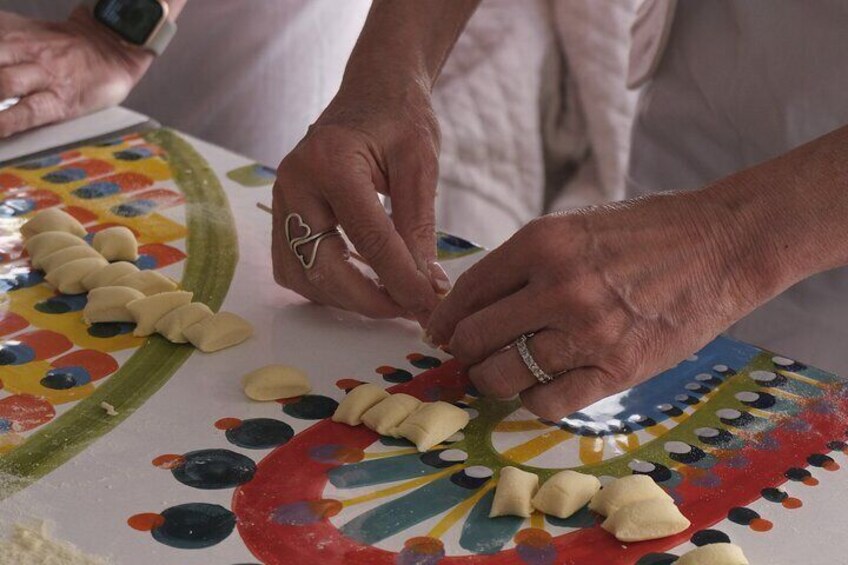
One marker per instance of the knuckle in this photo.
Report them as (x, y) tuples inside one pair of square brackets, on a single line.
[(10, 84), (466, 343), (318, 275), (372, 242), (492, 380)]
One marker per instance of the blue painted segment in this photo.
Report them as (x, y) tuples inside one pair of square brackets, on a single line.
[(481, 534)]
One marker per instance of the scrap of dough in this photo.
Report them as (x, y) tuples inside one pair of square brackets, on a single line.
[(66, 255), (30, 545), (714, 554), (67, 279), (387, 414), (117, 243), (222, 330), (150, 309), (52, 219), (514, 492), (645, 520), (148, 282), (432, 423), (275, 381), (171, 325), (43, 244), (626, 490), (357, 402), (108, 275), (110, 410), (109, 304), (565, 493)]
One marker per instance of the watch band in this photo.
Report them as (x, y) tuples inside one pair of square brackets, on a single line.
[(160, 39)]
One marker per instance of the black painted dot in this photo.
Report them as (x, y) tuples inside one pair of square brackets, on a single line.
[(398, 376), (425, 362), (706, 537), (819, 460), (764, 400), (672, 411), (311, 407), (742, 421), (433, 459), (214, 469), (695, 454), (836, 445), (395, 441), (688, 399), (660, 473), (54, 305), (774, 494), (195, 525), (741, 515), (657, 559), (460, 478), (797, 474), (260, 433), (58, 380), (109, 329), (722, 438), (7, 356)]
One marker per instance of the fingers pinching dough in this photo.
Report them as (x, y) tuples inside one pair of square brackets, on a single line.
[(150, 309), (514, 493), (565, 493), (108, 275), (387, 414), (52, 219), (714, 554), (220, 331), (624, 491), (109, 304), (432, 423), (275, 381), (357, 402), (67, 279), (148, 282), (43, 244), (646, 520), (66, 255), (171, 325), (117, 243)]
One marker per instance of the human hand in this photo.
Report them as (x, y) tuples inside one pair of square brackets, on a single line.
[(377, 139), (62, 70), (613, 295)]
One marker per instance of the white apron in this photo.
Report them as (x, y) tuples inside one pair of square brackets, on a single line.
[(732, 84)]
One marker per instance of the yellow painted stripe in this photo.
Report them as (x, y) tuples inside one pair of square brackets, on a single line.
[(802, 378), (628, 442), (591, 450), (520, 426), (537, 520), (383, 454), (759, 413), (459, 511), (657, 431), (536, 446), (408, 485)]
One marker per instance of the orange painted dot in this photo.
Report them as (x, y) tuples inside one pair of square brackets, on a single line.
[(760, 525), (385, 370), (227, 423), (145, 522), (792, 503), (533, 537), (425, 545), (414, 356), (831, 465), (345, 454), (347, 384), (810, 481), (168, 461), (291, 400), (326, 507)]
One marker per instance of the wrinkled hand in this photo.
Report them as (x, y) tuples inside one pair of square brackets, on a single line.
[(361, 146), (614, 294), (62, 70)]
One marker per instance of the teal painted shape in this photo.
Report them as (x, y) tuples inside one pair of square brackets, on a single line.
[(583, 518), (481, 534), (378, 471), (405, 512)]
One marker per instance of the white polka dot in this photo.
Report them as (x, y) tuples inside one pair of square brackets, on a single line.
[(641, 466), (703, 377), (720, 368), (458, 436), (692, 386), (472, 413), (728, 413), (677, 447), (782, 361), (707, 432), (762, 376), (453, 455), (478, 472), (681, 397), (747, 396), (692, 358), (665, 407), (636, 418)]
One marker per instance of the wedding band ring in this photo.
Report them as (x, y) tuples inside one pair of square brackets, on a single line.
[(530, 362)]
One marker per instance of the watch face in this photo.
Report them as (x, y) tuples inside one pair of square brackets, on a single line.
[(134, 20)]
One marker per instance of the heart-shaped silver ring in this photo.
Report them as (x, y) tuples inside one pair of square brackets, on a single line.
[(295, 243)]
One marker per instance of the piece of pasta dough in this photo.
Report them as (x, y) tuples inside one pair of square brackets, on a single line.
[(624, 491), (150, 309), (52, 219), (66, 255), (108, 275), (43, 244), (109, 304), (171, 325), (714, 554), (385, 416), (432, 423), (645, 520), (357, 402), (117, 243), (275, 381), (148, 282), (217, 332), (67, 279), (514, 493), (565, 493)]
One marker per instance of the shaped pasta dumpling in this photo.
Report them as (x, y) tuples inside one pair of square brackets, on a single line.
[(67, 279), (171, 325), (714, 554), (385, 416), (565, 493), (148, 282), (150, 309), (220, 331), (52, 219), (514, 493), (275, 381), (117, 243), (646, 520), (109, 304), (66, 255), (357, 402), (108, 275), (624, 491), (43, 244), (432, 423)]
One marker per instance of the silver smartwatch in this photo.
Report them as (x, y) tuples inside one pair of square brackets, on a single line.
[(143, 23)]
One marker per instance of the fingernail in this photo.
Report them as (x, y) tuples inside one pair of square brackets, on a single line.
[(439, 278)]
